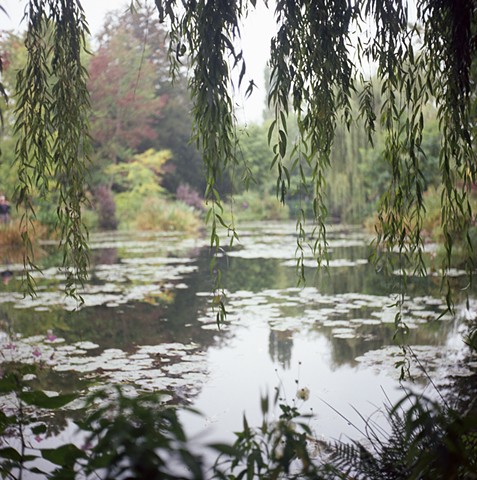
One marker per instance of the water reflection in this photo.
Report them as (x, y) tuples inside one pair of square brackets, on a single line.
[(147, 322), (280, 347)]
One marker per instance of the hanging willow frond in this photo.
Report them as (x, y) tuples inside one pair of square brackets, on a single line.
[(52, 106), (417, 58), (319, 51)]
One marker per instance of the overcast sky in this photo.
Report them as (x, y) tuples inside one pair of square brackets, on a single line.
[(256, 34)]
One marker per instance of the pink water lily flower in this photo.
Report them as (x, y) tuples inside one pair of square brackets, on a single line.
[(50, 336)]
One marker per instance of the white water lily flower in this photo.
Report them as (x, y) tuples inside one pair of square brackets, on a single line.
[(303, 393)]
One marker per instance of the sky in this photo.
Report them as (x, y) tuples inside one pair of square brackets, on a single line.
[(256, 34)]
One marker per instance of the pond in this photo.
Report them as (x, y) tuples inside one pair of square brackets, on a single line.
[(147, 324)]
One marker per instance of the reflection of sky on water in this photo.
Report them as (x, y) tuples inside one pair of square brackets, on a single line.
[(243, 370), (263, 355), (146, 322)]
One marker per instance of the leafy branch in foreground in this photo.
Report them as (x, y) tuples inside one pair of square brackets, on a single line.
[(52, 107), (141, 437), (426, 440)]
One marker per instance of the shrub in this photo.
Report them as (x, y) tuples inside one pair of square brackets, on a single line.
[(251, 206), (432, 230), (426, 441), (11, 235), (186, 194), (137, 438), (162, 215), (106, 208)]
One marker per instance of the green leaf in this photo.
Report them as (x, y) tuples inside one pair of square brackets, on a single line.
[(38, 472), (282, 145), (39, 429), (225, 449), (270, 131), (40, 399), (10, 454), (66, 455), (100, 460), (6, 420), (8, 384)]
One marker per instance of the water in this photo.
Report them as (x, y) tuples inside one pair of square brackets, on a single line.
[(147, 323)]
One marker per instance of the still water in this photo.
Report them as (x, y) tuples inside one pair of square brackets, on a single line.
[(147, 323)]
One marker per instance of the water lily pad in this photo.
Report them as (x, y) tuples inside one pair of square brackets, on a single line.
[(86, 345)]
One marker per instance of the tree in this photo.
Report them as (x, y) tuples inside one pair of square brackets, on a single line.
[(12, 58), (170, 122), (313, 72), (122, 85)]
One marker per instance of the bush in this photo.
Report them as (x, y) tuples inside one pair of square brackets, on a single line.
[(136, 438), (427, 441), (186, 194), (11, 235), (432, 230), (106, 208), (257, 206), (90, 219), (162, 215)]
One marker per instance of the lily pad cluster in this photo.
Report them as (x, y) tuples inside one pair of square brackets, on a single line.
[(171, 367)]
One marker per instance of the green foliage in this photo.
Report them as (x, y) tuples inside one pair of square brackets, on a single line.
[(140, 200), (433, 231), (52, 106), (164, 215), (426, 441), (214, 124), (137, 437), (254, 205), (141, 175), (122, 85), (257, 161), (20, 423), (277, 449)]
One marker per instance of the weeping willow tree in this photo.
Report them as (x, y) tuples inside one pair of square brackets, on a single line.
[(324, 53)]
